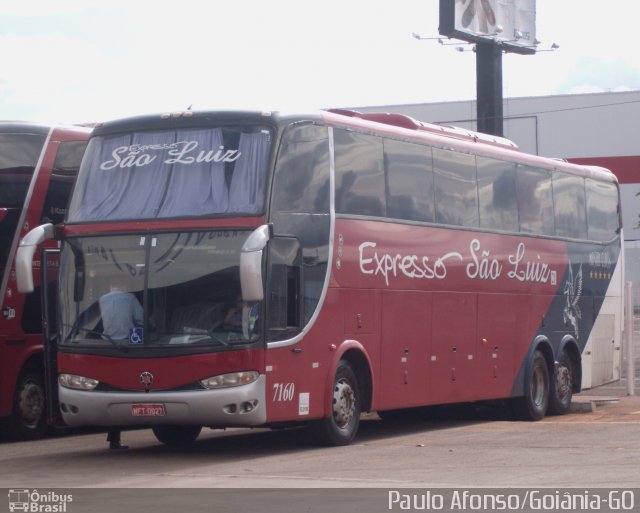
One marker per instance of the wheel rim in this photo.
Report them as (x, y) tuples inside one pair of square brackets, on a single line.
[(538, 391), (344, 403), (563, 383), (31, 404)]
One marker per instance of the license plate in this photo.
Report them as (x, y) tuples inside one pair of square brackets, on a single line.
[(147, 410)]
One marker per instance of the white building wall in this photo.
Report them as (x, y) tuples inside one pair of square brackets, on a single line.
[(566, 126)]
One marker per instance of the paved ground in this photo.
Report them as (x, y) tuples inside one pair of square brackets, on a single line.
[(481, 448)]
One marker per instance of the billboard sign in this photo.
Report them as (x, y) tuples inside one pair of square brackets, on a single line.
[(508, 23)]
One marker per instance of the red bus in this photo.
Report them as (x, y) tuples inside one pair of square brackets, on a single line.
[(247, 269), (37, 167)]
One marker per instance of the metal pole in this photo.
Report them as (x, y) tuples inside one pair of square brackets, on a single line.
[(628, 306), (489, 88)]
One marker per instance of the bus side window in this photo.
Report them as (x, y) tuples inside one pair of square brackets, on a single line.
[(602, 210), (284, 287), (535, 200), (360, 187), (497, 194), (409, 175), (301, 201), (18, 157), (63, 175), (569, 205), (456, 188), (302, 178)]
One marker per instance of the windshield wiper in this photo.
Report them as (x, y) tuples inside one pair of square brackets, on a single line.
[(101, 336), (211, 334), (207, 333)]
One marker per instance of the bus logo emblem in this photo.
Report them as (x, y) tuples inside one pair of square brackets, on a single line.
[(19, 499), (146, 378), (573, 293)]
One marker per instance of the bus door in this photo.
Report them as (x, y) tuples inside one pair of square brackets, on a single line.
[(50, 259)]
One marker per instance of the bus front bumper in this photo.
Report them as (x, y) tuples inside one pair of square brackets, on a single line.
[(234, 406)]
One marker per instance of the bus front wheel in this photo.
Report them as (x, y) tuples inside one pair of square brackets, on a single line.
[(533, 406), (28, 420), (341, 426), (176, 435)]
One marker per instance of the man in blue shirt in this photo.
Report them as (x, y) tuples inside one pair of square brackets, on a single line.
[(121, 312)]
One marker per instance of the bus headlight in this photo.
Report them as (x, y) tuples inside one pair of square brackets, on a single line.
[(232, 379), (77, 382)]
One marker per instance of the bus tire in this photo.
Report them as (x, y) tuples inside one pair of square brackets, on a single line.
[(533, 406), (28, 419), (341, 426), (561, 391), (176, 435)]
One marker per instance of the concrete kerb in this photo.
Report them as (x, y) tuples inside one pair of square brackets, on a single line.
[(588, 404)]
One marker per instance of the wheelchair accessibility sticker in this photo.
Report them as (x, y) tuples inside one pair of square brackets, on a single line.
[(135, 336)]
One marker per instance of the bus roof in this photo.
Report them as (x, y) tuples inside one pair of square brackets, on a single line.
[(399, 124), (23, 127), (28, 127), (186, 119), (403, 121)]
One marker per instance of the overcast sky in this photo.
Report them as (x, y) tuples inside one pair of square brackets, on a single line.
[(92, 60)]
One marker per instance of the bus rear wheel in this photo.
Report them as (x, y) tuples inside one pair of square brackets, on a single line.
[(341, 426), (176, 435), (533, 406), (561, 386), (28, 420)]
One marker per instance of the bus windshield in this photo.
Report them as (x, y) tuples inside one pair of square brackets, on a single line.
[(172, 173), (19, 155), (167, 290)]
